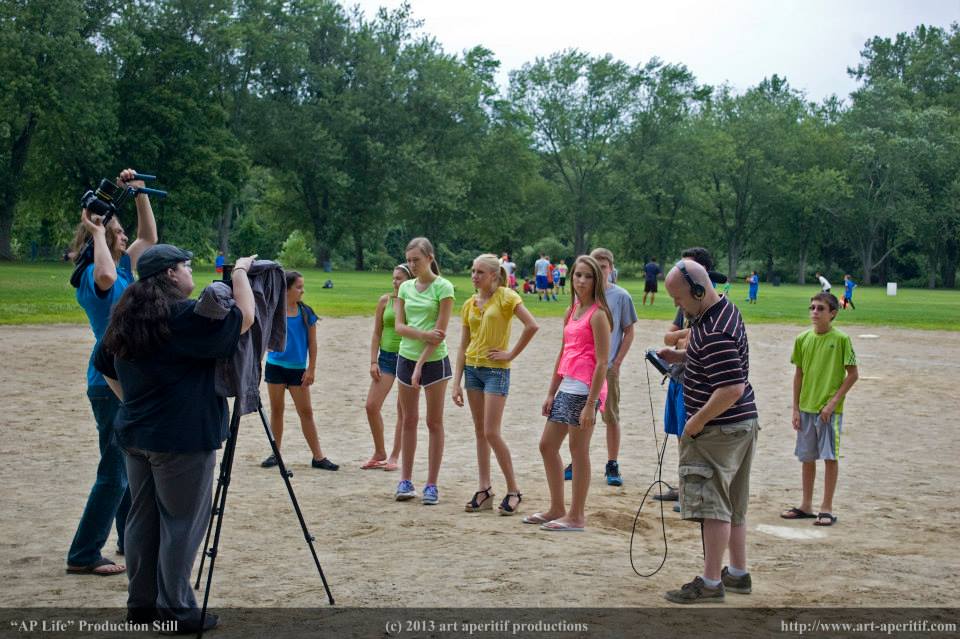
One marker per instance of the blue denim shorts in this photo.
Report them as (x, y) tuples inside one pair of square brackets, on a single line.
[(494, 381), (387, 362)]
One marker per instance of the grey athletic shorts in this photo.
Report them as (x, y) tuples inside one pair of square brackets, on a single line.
[(817, 439)]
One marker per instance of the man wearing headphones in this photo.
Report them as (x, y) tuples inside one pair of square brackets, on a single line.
[(720, 434)]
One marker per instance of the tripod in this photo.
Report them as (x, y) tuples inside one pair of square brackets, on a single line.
[(220, 501)]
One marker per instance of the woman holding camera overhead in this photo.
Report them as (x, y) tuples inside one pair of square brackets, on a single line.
[(159, 357), (101, 285)]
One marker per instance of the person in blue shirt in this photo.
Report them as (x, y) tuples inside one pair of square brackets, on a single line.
[(291, 370), (848, 286), (754, 281), (218, 263), (101, 285)]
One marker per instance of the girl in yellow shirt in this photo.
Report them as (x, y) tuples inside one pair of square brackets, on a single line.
[(484, 360)]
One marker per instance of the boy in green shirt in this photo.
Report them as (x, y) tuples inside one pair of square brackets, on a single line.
[(826, 369)]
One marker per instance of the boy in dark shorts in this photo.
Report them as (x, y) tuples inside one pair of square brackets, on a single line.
[(826, 369)]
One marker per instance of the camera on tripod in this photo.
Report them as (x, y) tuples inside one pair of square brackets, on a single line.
[(106, 201)]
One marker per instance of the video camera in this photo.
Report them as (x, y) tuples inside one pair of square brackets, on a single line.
[(106, 201)]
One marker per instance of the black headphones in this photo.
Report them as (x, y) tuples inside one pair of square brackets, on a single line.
[(696, 290)]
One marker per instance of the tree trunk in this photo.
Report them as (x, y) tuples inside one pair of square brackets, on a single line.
[(802, 274), (770, 268), (948, 264), (579, 237), (733, 256), (6, 226), (358, 250), (866, 259), (226, 222), (8, 205)]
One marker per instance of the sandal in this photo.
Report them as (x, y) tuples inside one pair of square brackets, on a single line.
[(796, 513), (486, 503), (102, 567), (505, 508), (825, 519)]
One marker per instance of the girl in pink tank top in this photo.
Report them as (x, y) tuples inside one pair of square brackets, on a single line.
[(577, 389)]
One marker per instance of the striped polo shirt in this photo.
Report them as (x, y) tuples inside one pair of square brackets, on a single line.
[(718, 355)]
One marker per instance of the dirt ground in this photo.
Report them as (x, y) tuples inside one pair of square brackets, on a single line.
[(896, 502)]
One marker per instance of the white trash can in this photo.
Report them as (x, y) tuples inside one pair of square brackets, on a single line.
[(891, 288)]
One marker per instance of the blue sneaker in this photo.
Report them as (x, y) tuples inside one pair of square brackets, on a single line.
[(568, 472), (430, 495), (405, 490), (613, 474)]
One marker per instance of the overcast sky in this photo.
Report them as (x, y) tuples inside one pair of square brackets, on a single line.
[(811, 42)]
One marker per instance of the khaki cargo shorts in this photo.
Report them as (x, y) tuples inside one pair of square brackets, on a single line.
[(611, 407), (715, 472)]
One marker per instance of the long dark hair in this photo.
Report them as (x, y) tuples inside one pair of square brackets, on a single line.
[(139, 322), (290, 278)]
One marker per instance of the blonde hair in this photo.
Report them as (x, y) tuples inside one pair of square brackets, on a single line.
[(423, 245), (598, 285), (492, 262), (81, 235)]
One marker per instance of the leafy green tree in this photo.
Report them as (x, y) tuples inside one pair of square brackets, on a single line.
[(56, 115), (577, 107)]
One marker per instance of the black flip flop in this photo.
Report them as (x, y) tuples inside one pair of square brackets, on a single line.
[(832, 519), (796, 513)]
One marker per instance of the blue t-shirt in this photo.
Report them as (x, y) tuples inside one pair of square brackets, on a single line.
[(650, 272), (98, 304), (295, 354), (848, 287), (754, 283)]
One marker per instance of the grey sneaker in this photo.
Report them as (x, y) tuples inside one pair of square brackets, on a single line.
[(696, 592), (740, 585)]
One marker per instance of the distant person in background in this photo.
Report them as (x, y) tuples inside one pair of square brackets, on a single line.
[(528, 286), (540, 273), (650, 272), (511, 268), (824, 283), (848, 286), (218, 263), (563, 276), (552, 277), (754, 281)]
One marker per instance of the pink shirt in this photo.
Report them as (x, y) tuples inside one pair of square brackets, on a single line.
[(579, 357)]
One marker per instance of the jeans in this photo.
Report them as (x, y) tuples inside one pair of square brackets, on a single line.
[(109, 498)]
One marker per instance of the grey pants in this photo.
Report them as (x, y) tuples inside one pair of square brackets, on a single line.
[(169, 511)]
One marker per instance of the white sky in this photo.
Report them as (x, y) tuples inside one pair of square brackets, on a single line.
[(810, 42)]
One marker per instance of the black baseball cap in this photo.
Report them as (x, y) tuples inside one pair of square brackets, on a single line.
[(159, 258)]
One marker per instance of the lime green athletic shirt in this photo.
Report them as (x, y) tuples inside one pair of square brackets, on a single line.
[(421, 311), (389, 340), (823, 360)]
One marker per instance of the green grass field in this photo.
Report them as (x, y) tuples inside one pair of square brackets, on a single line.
[(41, 294)]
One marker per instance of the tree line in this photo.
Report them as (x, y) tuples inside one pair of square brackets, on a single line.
[(267, 117)]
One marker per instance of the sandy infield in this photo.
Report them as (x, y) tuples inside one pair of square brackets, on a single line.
[(894, 543)]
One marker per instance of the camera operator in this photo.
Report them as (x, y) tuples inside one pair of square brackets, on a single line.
[(101, 285), (159, 356)]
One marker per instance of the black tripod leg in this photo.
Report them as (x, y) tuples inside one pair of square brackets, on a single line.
[(293, 498), (226, 463), (226, 468)]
